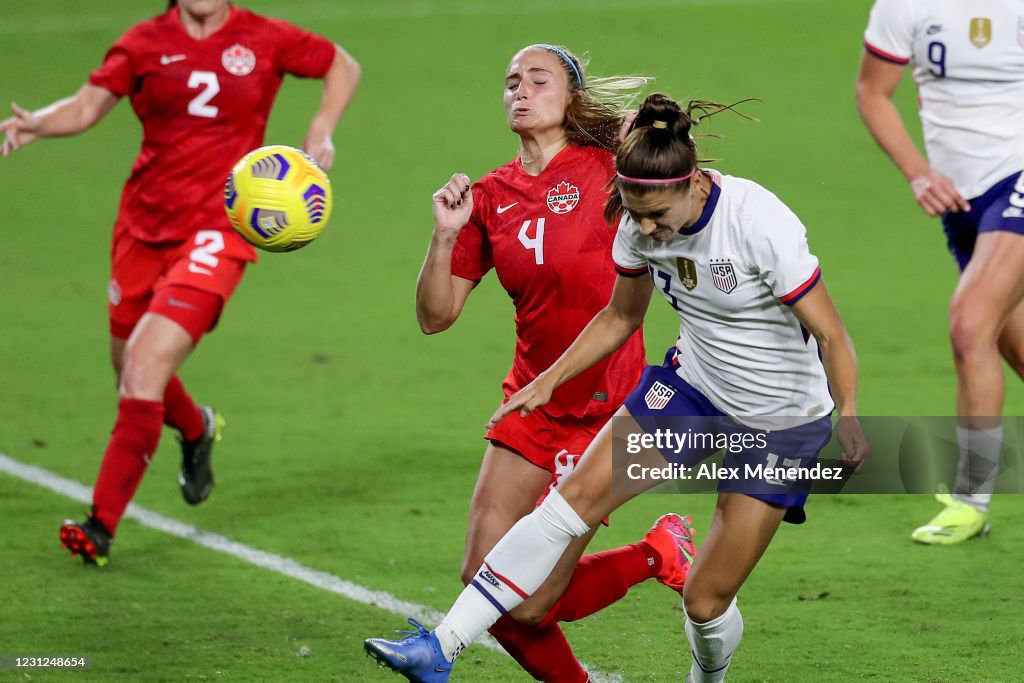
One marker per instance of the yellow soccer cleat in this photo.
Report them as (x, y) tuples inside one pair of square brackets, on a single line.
[(956, 523)]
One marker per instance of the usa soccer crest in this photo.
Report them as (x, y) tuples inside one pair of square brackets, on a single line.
[(658, 396), (238, 60), (723, 275), (563, 197), (981, 31), (687, 271)]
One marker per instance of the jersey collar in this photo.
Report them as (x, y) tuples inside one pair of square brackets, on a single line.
[(705, 215), (555, 161)]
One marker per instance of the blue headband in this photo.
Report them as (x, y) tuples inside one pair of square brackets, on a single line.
[(565, 57)]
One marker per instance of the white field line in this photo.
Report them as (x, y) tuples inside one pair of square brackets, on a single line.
[(254, 556), (397, 9)]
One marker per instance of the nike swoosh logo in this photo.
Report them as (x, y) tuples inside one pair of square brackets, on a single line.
[(503, 209), (170, 59), (171, 301)]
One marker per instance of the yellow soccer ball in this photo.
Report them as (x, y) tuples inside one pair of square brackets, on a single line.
[(278, 198)]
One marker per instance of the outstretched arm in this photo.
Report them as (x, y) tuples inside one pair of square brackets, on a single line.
[(876, 84), (69, 116), (340, 85), (609, 330)]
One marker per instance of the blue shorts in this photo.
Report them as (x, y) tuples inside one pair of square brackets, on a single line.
[(664, 401), (1001, 207)]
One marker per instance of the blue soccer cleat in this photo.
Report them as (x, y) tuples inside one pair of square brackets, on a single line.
[(417, 657)]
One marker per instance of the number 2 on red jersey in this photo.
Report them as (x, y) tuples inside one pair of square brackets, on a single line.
[(200, 104)]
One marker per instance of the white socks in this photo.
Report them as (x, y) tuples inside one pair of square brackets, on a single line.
[(512, 571), (978, 466), (712, 644)]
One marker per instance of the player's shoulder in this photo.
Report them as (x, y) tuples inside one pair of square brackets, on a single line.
[(247, 16), (503, 175), (744, 192), (253, 21), (592, 154), (592, 160), (148, 31), (896, 12), (753, 207)]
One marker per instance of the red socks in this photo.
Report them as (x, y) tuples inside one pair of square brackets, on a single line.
[(603, 578), (598, 581), (134, 440), (542, 651), (181, 412)]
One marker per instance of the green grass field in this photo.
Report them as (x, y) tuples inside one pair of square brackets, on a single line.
[(353, 441)]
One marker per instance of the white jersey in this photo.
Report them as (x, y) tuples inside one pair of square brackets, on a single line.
[(968, 58), (732, 277)]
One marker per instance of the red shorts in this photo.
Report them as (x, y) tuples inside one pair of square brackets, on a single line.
[(175, 280), (554, 443)]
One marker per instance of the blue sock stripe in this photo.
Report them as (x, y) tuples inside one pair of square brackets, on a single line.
[(487, 595)]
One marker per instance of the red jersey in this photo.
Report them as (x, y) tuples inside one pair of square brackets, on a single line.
[(547, 240), (203, 105)]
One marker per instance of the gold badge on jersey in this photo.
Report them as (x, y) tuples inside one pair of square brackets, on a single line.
[(687, 273), (981, 32)]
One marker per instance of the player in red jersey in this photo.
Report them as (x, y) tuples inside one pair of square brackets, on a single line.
[(537, 221), (201, 78)]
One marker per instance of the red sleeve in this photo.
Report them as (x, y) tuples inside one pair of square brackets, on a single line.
[(301, 53), (116, 73), (472, 257)]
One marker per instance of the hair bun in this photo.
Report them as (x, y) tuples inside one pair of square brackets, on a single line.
[(662, 112)]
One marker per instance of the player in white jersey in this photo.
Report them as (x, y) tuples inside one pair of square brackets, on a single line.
[(968, 64), (734, 262)]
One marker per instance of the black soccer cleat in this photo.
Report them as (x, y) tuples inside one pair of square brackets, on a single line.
[(196, 475), (90, 539)]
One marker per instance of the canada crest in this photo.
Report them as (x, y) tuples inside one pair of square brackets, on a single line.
[(563, 197), (238, 60)]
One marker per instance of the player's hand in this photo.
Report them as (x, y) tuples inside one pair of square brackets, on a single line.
[(453, 205), (936, 194), (19, 130), (852, 441), (321, 148), (533, 395)]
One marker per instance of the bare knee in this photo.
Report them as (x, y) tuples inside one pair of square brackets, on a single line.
[(704, 605), (143, 375), (970, 332)]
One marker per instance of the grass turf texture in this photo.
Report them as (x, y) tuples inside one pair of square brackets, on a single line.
[(353, 441)]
